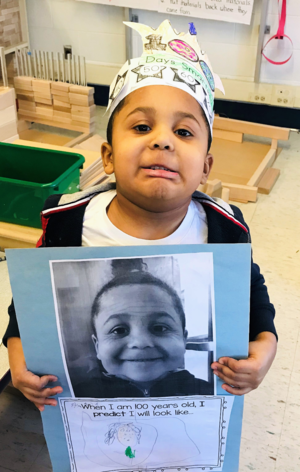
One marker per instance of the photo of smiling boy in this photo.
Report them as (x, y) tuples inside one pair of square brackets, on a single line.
[(139, 336)]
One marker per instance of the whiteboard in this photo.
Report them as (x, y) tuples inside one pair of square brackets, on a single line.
[(234, 11)]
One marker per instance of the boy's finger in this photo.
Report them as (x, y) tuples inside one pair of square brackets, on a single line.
[(44, 393), (224, 371), (237, 382), (241, 367), (47, 379), (236, 391)]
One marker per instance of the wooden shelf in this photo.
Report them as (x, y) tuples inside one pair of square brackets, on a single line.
[(11, 49)]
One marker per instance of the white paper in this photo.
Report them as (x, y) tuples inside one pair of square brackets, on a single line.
[(146, 434), (234, 11)]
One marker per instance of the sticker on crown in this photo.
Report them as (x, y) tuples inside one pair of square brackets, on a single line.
[(183, 49), (120, 81), (146, 71), (208, 74)]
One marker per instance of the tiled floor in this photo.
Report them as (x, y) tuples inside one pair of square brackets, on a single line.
[(271, 430)]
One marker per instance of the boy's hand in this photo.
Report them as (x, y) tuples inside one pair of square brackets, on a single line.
[(242, 376), (32, 386)]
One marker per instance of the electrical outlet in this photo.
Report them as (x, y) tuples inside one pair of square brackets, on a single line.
[(283, 96), (257, 97), (67, 51)]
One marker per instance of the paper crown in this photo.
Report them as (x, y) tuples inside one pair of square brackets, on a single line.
[(169, 58)]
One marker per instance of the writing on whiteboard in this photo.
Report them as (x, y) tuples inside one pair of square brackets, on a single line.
[(234, 11), (238, 11)]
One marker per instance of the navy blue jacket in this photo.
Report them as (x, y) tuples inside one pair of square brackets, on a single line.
[(62, 220)]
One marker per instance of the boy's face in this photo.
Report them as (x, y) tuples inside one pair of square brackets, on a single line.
[(159, 126), (139, 333)]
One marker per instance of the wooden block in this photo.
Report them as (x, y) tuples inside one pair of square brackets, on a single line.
[(63, 109), (268, 180), (16, 236), (27, 98), (266, 131), (59, 124), (82, 90), (214, 188), (8, 130), (28, 93), (7, 97), (27, 115), (25, 105), (58, 103), (74, 143), (7, 115), (62, 98), (46, 111), (82, 125), (60, 86), (81, 100), (59, 93), (38, 84), (22, 87), (241, 192), (83, 118), (93, 143), (62, 115), (225, 194), (23, 83), (84, 111), (43, 94), (228, 135), (41, 99), (267, 162)]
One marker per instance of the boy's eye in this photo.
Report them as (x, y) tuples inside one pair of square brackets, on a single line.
[(183, 132), (160, 329), (142, 128), (119, 330)]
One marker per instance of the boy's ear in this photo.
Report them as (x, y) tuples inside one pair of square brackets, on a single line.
[(106, 153), (208, 162), (95, 341)]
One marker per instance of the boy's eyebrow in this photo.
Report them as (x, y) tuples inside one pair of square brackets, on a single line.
[(183, 114), (178, 115), (155, 313), (145, 110)]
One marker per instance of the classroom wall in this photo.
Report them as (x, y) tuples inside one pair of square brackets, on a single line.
[(96, 31)]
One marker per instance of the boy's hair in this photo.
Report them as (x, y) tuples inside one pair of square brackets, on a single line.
[(109, 131), (114, 428), (132, 272)]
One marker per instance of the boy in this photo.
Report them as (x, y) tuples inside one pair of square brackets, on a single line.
[(140, 339), (159, 135)]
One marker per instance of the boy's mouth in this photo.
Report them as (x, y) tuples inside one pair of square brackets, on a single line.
[(160, 168), (148, 359), (160, 171)]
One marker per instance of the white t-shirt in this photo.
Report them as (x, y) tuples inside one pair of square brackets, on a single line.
[(98, 230)]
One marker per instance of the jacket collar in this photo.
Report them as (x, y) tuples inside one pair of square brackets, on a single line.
[(225, 223)]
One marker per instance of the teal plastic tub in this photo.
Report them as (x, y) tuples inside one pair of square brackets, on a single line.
[(29, 175)]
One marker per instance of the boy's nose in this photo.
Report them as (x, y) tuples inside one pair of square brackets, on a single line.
[(140, 340), (163, 141)]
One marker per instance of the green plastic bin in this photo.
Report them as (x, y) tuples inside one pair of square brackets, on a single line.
[(28, 175)]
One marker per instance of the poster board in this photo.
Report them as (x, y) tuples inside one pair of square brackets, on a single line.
[(233, 11), (88, 432)]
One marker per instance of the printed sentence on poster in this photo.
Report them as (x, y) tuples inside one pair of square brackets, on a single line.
[(141, 409), (234, 11)]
